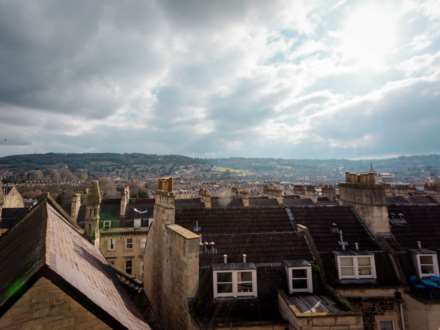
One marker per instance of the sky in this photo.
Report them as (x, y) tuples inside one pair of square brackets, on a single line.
[(251, 78)]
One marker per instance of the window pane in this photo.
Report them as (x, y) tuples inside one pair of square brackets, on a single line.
[(299, 284), (386, 325), (426, 260), (426, 269), (224, 277), (224, 288), (347, 271), (244, 287), (346, 261), (365, 271), (245, 277), (364, 261), (301, 273)]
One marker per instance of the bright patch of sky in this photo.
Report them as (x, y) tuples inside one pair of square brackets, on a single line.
[(291, 79)]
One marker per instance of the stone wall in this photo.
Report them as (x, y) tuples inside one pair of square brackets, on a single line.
[(171, 264), (369, 203), (118, 256), (422, 316), (45, 306)]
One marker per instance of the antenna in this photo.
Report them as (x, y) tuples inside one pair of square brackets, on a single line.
[(341, 241)]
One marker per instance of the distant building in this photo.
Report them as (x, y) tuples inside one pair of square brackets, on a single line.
[(11, 208)]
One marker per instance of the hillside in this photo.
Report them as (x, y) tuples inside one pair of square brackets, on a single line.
[(129, 165)]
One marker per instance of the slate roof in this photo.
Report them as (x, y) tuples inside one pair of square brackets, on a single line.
[(319, 220), (110, 209), (189, 203), (263, 202), (44, 243), (11, 216), (266, 236), (422, 224), (422, 199), (395, 200), (141, 204), (291, 202)]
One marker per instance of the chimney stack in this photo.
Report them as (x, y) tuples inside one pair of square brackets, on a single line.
[(367, 198), (125, 199), (75, 205), (205, 198)]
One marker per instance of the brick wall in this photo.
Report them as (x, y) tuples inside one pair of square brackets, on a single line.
[(45, 306)]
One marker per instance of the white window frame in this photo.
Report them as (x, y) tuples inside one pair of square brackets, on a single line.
[(106, 224), (379, 324), (126, 243), (235, 292), (308, 277), (356, 275), (434, 264), (109, 244)]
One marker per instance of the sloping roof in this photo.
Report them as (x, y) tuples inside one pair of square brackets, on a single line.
[(263, 202), (396, 200), (267, 238), (10, 217), (422, 199), (422, 224), (141, 205), (188, 203), (110, 209), (319, 220), (46, 239), (291, 202), (263, 234)]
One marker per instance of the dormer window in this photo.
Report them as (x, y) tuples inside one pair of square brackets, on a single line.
[(427, 265), (356, 267), (106, 224), (235, 283), (300, 279)]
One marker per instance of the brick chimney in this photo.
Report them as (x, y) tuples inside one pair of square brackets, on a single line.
[(205, 198), (367, 198), (75, 205), (125, 199)]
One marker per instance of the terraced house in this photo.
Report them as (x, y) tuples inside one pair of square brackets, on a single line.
[(303, 267)]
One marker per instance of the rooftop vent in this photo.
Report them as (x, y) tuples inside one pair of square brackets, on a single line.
[(334, 228), (197, 228), (419, 244), (244, 258), (225, 258), (356, 246)]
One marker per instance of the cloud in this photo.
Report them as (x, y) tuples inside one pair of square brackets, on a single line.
[(223, 78)]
